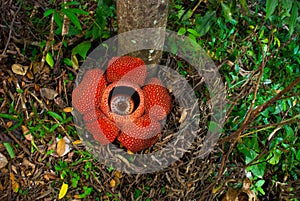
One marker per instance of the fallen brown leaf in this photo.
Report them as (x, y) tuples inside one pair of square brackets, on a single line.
[(3, 161), (15, 186), (19, 69), (61, 147), (47, 93)]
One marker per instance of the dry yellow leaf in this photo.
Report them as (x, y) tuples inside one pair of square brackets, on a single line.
[(68, 109), (77, 142), (9, 124), (63, 191), (112, 183), (74, 61), (61, 147), (15, 186), (130, 152), (19, 69), (118, 174)]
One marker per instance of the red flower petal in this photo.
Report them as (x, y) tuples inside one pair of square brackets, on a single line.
[(102, 129), (86, 96), (126, 68), (157, 99), (141, 134)]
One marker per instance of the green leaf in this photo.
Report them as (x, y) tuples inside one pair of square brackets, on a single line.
[(78, 11), (58, 20), (49, 59), (298, 155), (293, 18), (274, 157), (270, 7), (204, 23), (287, 4), (258, 170), (227, 12), (82, 49), (8, 116), (193, 32), (260, 183), (9, 149), (49, 12), (55, 116), (181, 31), (73, 18), (68, 61)]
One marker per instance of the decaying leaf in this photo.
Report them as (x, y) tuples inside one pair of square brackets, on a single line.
[(3, 161), (26, 133), (30, 75), (63, 191), (50, 176), (19, 69), (47, 93), (75, 62), (15, 186), (61, 147), (183, 116)]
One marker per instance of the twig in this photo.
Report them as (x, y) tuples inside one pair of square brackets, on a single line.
[(10, 29)]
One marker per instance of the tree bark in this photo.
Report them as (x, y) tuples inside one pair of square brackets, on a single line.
[(137, 14)]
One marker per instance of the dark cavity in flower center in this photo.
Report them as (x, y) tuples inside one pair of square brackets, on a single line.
[(123, 100)]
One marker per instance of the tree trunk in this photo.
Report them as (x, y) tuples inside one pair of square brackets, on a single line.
[(137, 14)]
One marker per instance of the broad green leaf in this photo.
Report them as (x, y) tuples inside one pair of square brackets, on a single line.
[(270, 7), (58, 20), (63, 191), (293, 18), (227, 12), (49, 59), (181, 31), (204, 23), (258, 170), (82, 49), (193, 32), (73, 18), (260, 183)]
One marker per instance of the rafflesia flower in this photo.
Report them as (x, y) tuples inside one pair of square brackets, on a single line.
[(120, 104)]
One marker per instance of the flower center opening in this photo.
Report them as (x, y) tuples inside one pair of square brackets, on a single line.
[(123, 100)]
